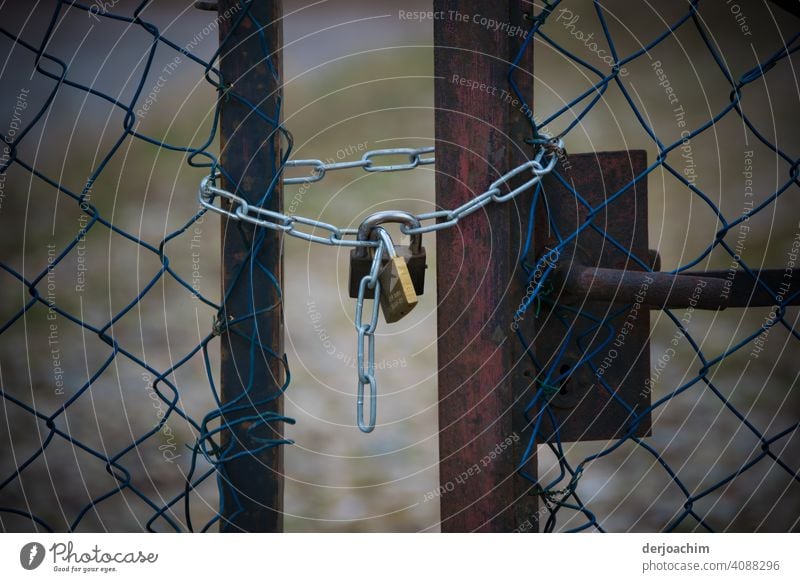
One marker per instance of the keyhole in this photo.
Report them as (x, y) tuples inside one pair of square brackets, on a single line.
[(563, 385)]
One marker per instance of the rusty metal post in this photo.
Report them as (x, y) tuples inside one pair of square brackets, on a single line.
[(251, 497), (480, 134)]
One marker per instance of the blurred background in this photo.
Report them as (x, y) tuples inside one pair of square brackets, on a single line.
[(358, 76)]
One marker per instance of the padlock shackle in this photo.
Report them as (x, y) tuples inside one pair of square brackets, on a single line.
[(388, 244), (385, 216)]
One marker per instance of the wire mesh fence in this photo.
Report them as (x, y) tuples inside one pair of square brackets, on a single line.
[(716, 389), (714, 426), (161, 496)]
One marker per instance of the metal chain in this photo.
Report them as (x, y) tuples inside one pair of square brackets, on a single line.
[(494, 192), (320, 168), (238, 209), (541, 165), (241, 210), (366, 332)]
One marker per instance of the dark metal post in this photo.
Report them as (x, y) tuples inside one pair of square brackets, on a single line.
[(252, 496), (479, 133)]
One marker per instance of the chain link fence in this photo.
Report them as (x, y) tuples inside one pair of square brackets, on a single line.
[(723, 453)]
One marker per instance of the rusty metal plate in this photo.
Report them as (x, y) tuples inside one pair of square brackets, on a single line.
[(618, 349)]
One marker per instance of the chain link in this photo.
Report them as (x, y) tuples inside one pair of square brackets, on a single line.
[(321, 168)]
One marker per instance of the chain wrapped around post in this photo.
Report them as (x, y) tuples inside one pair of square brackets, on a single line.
[(543, 162)]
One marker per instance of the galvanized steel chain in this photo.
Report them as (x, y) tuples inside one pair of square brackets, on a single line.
[(366, 163), (366, 332), (542, 163), (239, 209)]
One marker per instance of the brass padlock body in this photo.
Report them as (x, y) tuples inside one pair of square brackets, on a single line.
[(398, 297)]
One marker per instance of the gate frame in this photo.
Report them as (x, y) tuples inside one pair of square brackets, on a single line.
[(480, 134), (251, 488)]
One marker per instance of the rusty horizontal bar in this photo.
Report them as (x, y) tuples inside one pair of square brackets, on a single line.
[(744, 290), (651, 289), (701, 290)]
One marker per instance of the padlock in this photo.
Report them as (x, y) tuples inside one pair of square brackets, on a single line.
[(397, 297), (414, 254)]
